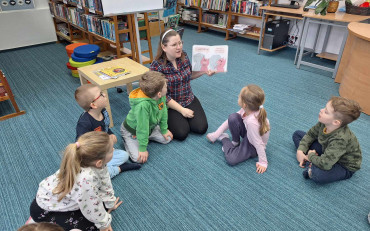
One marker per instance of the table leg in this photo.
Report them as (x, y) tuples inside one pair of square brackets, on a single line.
[(129, 88), (340, 53), (303, 41), (299, 44), (82, 79), (316, 37), (264, 18), (108, 108), (326, 39)]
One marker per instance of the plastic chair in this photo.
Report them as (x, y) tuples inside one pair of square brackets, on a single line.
[(7, 94)]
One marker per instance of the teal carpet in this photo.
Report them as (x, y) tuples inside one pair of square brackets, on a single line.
[(186, 185)]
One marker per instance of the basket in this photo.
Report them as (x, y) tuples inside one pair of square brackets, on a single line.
[(351, 9)]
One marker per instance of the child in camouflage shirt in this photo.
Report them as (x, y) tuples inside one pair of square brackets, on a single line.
[(329, 150)]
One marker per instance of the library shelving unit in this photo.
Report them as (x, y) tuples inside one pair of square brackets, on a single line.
[(71, 24), (232, 18)]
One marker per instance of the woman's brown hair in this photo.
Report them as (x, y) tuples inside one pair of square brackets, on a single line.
[(163, 40), (253, 97)]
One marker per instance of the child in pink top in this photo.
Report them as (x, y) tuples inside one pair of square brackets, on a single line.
[(250, 123)]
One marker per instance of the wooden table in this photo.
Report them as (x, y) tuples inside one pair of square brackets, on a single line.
[(87, 74), (338, 19), (354, 67), (280, 12)]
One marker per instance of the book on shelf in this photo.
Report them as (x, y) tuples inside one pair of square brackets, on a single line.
[(213, 58), (112, 72)]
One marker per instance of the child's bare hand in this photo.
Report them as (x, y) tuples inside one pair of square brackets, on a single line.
[(143, 157), (302, 158), (314, 151), (168, 135), (260, 168), (210, 72), (109, 228), (116, 204), (187, 113)]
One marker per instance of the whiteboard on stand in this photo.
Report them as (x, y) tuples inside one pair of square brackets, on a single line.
[(119, 7)]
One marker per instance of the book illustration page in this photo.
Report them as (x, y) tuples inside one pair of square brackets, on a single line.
[(197, 58), (210, 58)]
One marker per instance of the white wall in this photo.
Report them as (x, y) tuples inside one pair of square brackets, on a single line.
[(26, 27)]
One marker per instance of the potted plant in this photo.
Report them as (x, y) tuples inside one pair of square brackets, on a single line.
[(323, 6)]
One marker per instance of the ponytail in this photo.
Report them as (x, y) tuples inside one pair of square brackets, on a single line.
[(262, 119), (69, 168), (89, 148)]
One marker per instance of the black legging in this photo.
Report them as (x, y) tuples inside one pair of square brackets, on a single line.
[(181, 126), (68, 220)]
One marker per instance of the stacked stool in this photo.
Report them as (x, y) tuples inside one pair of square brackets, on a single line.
[(70, 48), (83, 55)]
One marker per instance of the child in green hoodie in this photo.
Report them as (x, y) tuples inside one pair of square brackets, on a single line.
[(147, 119)]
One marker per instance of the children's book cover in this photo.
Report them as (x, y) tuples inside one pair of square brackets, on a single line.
[(112, 72), (210, 58)]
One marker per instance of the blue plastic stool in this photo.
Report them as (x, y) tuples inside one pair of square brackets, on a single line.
[(87, 51), (78, 59)]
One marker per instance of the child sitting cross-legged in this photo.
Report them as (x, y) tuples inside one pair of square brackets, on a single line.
[(78, 194), (147, 119), (249, 123), (96, 118), (329, 150)]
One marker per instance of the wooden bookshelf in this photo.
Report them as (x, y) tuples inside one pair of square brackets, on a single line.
[(232, 18), (106, 44)]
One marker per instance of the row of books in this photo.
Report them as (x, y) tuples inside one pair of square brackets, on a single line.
[(250, 7), (105, 27), (95, 5), (246, 7), (222, 5), (190, 2), (97, 24), (215, 19)]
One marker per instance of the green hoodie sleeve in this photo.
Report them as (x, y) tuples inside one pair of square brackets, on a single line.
[(142, 129), (309, 138), (163, 123)]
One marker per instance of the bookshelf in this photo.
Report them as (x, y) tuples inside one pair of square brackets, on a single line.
[(231, 12), (76, 21)]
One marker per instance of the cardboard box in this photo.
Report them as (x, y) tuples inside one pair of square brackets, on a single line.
[(154, 28)]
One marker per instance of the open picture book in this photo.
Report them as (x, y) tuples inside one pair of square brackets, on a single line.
[(210, 58)]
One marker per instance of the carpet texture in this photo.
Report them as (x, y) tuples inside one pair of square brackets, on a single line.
[(186, 185)]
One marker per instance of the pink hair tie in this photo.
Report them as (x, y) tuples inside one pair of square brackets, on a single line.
[(77, 144)]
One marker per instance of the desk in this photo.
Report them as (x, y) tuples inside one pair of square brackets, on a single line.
[(354, 68), (87, 74), (339, 19), (276, 11)]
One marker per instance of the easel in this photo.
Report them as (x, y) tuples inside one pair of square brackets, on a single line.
[(121, 7)]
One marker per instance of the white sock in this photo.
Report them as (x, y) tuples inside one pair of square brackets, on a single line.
[(235, 143), (222, 136)]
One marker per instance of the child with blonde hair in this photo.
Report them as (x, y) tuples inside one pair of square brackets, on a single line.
[(250, 123), (96, 118), (77, 195)]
